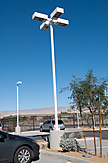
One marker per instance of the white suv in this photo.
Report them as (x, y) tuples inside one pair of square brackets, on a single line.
[(50, 124), (1, 127)]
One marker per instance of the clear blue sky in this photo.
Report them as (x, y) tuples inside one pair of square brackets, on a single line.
[(25, 52)]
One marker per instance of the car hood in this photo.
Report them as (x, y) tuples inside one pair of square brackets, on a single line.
[(21, 137), (11, 136)]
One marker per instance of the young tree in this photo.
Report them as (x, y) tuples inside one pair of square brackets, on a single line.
[(94, 93), (87, 92), (77, 97)]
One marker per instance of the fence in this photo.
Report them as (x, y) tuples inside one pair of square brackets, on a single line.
[(33, 122)]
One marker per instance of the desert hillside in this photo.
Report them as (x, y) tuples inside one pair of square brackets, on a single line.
[(34, 111)]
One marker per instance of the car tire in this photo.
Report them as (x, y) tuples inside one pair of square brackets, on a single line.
[(50, 129), (41, 129), (23, 155)]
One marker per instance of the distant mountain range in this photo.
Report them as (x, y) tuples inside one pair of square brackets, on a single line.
[(34, 111), (39, 111)]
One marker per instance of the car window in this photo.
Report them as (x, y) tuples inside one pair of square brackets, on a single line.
[(48, 122), (0, 124), (45, 122), (3, 136), (11, 137), (59, 121), (53, 122)]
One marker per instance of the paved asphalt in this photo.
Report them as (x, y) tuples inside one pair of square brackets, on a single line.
[(87, 133)]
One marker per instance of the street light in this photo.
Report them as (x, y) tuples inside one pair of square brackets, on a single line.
[(17, 127), (47, 22)]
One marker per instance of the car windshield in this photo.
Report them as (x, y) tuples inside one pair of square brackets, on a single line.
[(59, 122)]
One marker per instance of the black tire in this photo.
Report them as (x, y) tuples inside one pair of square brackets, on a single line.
[(50, 129), (23, 155), (41, 129)]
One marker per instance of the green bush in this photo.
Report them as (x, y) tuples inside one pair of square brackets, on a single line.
[(43, 145), (80, 135), (68, 144), (71, 136)]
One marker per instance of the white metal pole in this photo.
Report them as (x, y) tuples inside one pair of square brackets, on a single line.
[(54, 76), (17, 109), (77, 118)]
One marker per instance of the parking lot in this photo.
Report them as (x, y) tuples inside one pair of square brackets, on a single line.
[(41, 136)]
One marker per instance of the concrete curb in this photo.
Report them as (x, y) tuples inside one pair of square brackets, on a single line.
[(88, 138), (96, 129), (80, 129), (31, 133), (70, 158)]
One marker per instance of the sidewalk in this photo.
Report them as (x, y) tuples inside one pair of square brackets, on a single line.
[(31, 133), (60, 158)]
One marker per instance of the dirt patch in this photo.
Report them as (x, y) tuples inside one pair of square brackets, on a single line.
[(94, 158)]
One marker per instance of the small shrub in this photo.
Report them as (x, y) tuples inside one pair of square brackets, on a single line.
[(43, 145), (80, 135), (47, 138), (69, 145), (71, 136), (48, 145)]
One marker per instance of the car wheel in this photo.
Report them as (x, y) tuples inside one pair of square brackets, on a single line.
[(50, 129), (23, 155), (41, 129)]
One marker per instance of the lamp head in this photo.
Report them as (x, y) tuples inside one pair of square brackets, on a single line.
[(54, 17), (19, 82), (39, 17), (61, 22), (57, 13), (45, 25)]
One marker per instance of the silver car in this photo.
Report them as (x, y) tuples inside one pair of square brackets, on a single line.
[(49, 125), (1, 127)]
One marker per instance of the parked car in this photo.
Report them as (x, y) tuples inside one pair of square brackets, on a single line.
[(49, 125), (17, 149), (1, 126)]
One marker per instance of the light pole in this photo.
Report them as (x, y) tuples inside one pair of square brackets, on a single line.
[(78, 118), (48, 22), (17, 129), (77, 110)]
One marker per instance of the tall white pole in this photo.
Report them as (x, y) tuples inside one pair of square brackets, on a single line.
[(17, 128), (77, 118), (54, 76), (17, 109)]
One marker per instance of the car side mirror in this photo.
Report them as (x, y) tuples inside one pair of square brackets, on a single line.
[(1, 139)]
